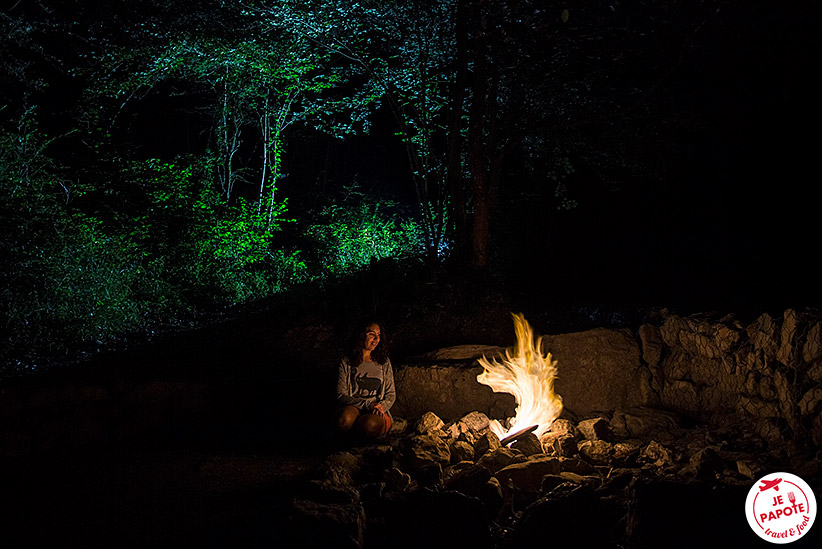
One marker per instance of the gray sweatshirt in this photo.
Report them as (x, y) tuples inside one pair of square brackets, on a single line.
[(367, 384)]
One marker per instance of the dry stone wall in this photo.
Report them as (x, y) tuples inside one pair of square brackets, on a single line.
[(711, 368), (768, 372)]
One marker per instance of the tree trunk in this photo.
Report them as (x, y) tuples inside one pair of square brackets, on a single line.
[(458, 229), (478, 145)]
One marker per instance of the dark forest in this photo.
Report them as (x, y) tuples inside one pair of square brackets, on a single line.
[(161, 162)]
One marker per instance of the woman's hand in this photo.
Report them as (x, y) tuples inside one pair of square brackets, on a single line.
[(378, 409)]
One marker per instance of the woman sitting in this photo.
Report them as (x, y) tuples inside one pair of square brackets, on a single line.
[(365, 385)]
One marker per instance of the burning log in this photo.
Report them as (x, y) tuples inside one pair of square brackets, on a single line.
[(516, 436)]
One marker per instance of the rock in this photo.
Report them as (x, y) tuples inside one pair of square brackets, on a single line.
[(476, 481), (497, 459), (657, 454), (549, 482), (597, 452), (468, 480), (642, 421), (564, 445), (748, 469), (476, 422), (810, 402), (618, 478), (528, 444), (456, 469), (789, 352), (700, 337), (486, 443), (341, 468), (469, 437), (375, 456), (399, 425), (595, 429), (423, 450), (786, 397), (812, 349), (681, 395), (772, 431), (429, 421), (460, 353), (528, 475), (757, 407), (652, 344), (576, 465), (562, 427), (626, 454), (491, 496), (450, 392), (371, 492), (461, 451), (599, 369), (816, 430), (397, 480), (706, 464)]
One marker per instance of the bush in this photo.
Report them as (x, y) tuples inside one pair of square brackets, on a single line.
[(360, 228), (156, 242)]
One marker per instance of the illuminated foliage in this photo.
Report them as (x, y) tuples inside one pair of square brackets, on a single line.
[(65, 277), (402, 52), (359, 229)]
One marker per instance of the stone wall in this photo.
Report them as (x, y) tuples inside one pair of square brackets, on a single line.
[(768, 372), (598, 371), (707, 367)]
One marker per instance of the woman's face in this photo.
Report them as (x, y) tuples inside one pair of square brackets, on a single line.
[(372, 337)]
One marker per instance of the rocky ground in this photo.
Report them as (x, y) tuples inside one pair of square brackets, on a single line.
[(640, 479)]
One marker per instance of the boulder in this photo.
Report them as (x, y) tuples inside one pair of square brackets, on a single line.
[(598, 370), (595, 429), (528, 444), (424, 450), (527, 475), (596, 452), (497, 459), (450, 392), (429, 421)]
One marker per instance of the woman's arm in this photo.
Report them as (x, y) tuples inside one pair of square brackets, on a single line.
[(389, 391)]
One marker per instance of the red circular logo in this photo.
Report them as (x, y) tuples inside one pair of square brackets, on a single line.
[(780, 507)]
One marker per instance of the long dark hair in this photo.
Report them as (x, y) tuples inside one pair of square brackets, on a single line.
[(357, 342)]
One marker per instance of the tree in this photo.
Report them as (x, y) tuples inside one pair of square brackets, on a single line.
[(271, 80), (401, 50), (587, 83)]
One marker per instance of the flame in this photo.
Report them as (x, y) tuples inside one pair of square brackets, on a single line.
[(528, 375)]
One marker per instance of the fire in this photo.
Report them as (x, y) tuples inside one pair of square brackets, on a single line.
[(528, 375)]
